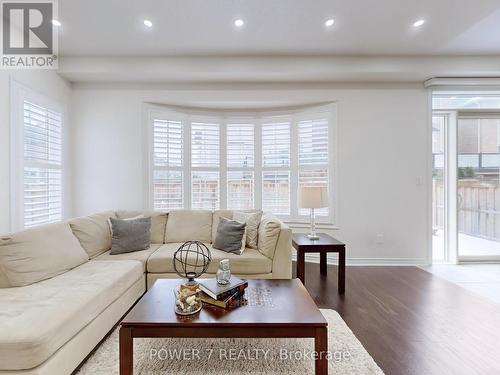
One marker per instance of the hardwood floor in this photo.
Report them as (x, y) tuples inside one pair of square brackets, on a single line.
[(413, 322)]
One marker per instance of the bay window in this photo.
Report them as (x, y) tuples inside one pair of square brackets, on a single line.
[(224, 160)]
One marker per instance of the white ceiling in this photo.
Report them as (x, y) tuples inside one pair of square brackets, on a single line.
[(285, 27)]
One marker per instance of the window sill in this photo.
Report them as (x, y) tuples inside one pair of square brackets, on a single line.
[(307, 225)]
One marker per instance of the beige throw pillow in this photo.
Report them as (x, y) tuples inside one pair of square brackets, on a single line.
[(93, 232), (252, 220), (40, 253)]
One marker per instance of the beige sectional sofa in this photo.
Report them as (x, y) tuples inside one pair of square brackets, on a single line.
[(61, 291)]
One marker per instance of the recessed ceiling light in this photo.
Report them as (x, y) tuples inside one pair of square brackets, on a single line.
[(418, 23), (148, 23), (330, 22), (56, 23), (239, 23)]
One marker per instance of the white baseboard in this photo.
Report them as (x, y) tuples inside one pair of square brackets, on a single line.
[(333, 260)]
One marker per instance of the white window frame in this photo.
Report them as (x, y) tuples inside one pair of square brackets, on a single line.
[(294, 115), (19, 94)]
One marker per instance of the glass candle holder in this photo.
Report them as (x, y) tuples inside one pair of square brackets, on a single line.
[(187, 299)]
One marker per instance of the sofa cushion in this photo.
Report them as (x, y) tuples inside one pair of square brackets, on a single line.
[(39, 253), (130, 235), (269, 231), (158, 222), (36, 320), (141, 256), (250, 262), (93, 232), (188, 225)]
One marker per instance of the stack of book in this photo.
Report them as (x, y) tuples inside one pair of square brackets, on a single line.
[(224, 296)]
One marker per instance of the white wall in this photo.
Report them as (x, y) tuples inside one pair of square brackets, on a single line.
[(382, 151), (44, 82)]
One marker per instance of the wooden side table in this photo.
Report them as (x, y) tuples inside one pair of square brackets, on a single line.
[(325, 244)]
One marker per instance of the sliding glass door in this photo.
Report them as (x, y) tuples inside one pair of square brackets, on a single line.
[(465, 183), (478, 188)]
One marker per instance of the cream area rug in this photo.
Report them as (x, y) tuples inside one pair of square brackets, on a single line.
[(237, 356)]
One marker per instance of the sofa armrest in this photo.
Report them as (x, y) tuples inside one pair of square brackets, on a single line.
[(275, 242), (282, 260)]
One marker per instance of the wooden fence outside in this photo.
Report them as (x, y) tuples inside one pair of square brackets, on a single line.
[(479, 207)]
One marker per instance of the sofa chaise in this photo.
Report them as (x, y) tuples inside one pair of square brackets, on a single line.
[(61, 291)]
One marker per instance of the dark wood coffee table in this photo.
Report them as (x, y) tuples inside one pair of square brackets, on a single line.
[(277, 308)]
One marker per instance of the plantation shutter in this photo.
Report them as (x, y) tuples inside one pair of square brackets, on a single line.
[(42, 172), (276, 167), (240, 147), (205, 145), (168, 147), (313, 157), (276, 144), (205, 164), (168, 159)]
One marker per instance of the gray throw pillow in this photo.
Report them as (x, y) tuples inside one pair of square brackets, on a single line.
[(231, 236), (130, 235)]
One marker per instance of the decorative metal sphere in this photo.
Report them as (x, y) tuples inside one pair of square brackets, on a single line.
[(192, 259)]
